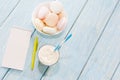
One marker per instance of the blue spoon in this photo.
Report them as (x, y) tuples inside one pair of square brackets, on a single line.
[(65, 40)]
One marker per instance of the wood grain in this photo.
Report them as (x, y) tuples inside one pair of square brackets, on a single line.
[(6, 8), (117, 73), (86, 32), (91, 54), (24, 21), (105, 57)]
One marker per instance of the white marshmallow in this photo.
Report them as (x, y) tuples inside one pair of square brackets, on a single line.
[(62, 23), (43, 12), (49, 30), (56, 7), (51, 19), (39, 24)]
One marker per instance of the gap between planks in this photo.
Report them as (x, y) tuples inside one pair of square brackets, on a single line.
[(1, 27), (9, 14), (115, 71), (98, 40), (42, 77)]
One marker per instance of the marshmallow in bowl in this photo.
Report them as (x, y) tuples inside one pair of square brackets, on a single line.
[(56, 7), (62, 23), (43, 12), (49, 30), (51, 19), (39, 24)]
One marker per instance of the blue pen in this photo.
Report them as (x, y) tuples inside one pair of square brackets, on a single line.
[(60, 45)]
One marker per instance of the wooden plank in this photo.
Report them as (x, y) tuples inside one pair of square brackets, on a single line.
[(117, 74), (6, 8), (25, 21), (86, 32), (16, 18), (106, 55)]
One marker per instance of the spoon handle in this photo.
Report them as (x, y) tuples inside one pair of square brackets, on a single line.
[(66, 39)]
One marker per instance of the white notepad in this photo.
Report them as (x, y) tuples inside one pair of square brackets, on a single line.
[(16, 49)]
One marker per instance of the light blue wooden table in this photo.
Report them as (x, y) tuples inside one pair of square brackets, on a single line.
[(93, 53)]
